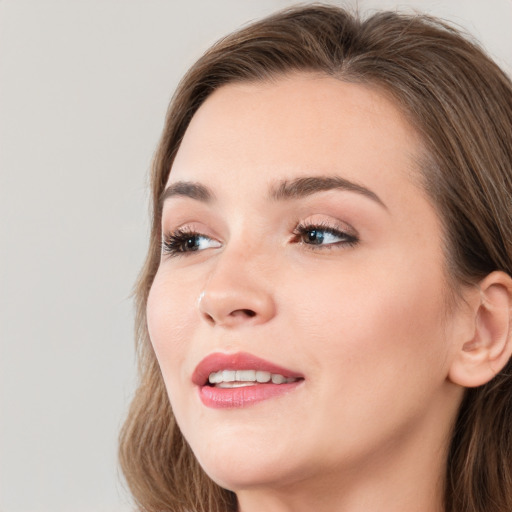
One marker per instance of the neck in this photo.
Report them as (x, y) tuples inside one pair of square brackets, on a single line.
[(407, 475), (350, 494)]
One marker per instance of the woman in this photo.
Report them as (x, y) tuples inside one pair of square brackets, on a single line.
[(324, 314)]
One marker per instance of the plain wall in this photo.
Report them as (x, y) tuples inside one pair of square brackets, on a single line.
[(84, 86)]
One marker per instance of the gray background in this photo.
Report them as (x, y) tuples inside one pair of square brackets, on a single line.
[(84, 86)]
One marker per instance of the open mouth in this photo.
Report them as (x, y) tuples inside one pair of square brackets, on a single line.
[(240, 369), (243, 378)]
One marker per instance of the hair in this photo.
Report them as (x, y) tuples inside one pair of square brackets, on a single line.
[(460, 103)]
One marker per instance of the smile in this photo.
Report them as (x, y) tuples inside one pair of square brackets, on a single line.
[(241, 379)]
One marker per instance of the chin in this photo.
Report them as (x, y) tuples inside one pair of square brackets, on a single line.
[(237, 475), (245, 462)]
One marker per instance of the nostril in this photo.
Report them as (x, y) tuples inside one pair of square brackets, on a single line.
[(248, 313), (209, 318), (236, 315)]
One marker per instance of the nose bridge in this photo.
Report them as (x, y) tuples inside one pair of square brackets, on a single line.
[(238, 289)]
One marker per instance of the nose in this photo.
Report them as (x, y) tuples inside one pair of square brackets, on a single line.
[(235, 296)]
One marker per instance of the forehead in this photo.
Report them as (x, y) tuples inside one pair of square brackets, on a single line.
[(245, 135)]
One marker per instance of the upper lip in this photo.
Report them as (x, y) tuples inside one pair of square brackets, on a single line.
[(237, 361)]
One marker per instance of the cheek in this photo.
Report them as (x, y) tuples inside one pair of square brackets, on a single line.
[(171, 321), (377, 344), (379, 323)]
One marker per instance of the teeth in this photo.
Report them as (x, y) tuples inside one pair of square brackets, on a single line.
[(245, 375), (263, 376), (240, 378), (228, 376), (235, 384), (215, 378), (278, 379)]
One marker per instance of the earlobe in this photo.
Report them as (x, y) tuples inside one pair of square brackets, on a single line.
[(487, 351)]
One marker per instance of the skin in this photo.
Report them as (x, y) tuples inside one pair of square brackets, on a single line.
[(365, 323)]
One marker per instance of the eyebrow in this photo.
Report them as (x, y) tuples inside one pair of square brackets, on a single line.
[(306, 186), (284, 190), (190, 189)]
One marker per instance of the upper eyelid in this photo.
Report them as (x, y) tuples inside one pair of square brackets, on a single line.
[(334, 224), (335, 228), (171, 241), (341, 233), (193, 227)]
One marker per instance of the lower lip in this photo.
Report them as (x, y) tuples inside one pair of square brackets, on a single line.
[(230, 398)]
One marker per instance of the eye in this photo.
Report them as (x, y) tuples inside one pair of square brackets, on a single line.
[(184, 241), (320, 235)]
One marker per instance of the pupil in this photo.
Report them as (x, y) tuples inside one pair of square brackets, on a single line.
[(191, 242), (315, 236)]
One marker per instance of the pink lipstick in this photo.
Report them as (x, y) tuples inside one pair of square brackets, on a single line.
[(241, 379)]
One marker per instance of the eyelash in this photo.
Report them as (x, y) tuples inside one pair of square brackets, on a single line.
[(309, 230), (184, 241), (175, 243)]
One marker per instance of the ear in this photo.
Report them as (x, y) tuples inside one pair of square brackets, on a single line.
[(489, 347)]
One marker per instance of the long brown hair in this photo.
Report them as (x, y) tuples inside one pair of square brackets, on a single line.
[(461, 104)]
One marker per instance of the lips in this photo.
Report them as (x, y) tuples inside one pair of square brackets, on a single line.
[(239, 361), (240, 394)]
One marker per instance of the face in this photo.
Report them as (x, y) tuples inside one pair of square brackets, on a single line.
[(298, 247)]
